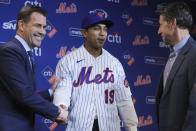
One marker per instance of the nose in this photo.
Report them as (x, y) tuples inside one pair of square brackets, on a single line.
[(43, 31), (103, 32)]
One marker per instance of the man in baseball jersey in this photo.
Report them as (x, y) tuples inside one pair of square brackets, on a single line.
[(94, 87)]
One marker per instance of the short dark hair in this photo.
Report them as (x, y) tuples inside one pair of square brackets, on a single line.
[(178, 10), (25, 13)]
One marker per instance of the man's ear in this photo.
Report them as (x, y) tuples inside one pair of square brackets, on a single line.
[(84, 32), (173, 22), (21, 25)]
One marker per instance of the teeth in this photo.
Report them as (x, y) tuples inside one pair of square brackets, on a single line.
[(38, 37)]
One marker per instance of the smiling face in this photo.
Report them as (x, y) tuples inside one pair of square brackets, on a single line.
[(166, 30), (34, 30), (95, 36)]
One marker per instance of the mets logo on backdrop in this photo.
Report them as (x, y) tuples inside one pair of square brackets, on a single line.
[(143, 80), (5, 1), (65, 8), (64, 51), (141, 41), (33, 2), (101, 12), (145, 121)]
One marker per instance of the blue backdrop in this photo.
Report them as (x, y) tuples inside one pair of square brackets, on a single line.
[(133, 40)]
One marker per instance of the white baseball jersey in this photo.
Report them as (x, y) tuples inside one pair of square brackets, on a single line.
[(90, 89)]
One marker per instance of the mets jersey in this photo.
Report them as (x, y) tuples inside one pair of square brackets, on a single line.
[(90, 89)]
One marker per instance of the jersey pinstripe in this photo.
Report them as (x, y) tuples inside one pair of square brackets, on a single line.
[(90, 88)]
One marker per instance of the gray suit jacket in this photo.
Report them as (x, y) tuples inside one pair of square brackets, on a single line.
[(176, 104)]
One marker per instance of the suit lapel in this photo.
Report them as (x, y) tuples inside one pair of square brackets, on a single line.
[(176, 66), (17, 42)]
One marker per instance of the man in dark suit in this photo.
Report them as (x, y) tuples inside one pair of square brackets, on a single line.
[(18, 98), (176, 95)]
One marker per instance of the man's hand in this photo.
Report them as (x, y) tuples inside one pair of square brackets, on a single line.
[(62, 117), (55, 84)]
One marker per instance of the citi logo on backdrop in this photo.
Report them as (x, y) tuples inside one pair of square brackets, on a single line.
[(114, 38), (47, 72), (128, 58), (33, 2), (37, 51)]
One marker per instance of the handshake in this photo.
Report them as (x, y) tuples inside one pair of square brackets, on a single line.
[(63, 113), (61, 118)]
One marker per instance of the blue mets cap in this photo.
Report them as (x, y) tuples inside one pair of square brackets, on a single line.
[(95, 18)]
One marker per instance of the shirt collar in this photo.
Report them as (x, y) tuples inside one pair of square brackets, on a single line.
[(179, 46), (23, 42)]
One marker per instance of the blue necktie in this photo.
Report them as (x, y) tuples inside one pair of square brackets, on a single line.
[(30, 53)]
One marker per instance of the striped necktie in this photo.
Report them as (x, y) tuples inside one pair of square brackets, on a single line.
[(169, 65), (30, 53)]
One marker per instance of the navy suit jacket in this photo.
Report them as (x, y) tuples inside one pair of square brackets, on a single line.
[(176, 104), (18, 98)]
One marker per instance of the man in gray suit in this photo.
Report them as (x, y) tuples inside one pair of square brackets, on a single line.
[(176, 95)]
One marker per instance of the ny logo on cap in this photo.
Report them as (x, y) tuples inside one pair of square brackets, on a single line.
[(100, 15), (100, 12)]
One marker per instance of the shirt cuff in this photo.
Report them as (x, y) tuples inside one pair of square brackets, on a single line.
[(50, 92)]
